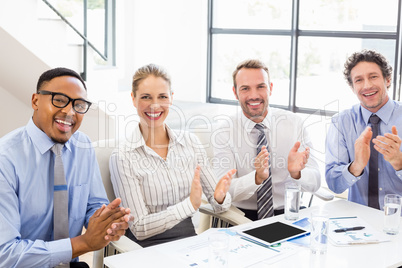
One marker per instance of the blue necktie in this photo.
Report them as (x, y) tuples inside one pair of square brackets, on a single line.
[(373, 166), (265, 205)]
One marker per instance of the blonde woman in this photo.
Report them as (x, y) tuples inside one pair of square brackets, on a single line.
[(160, 174)]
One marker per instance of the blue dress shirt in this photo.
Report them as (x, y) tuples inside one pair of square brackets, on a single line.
[(26, 196), (346, 127)]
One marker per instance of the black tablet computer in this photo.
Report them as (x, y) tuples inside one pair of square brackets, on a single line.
[(274, 233)]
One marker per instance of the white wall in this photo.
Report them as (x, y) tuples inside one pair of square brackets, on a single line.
[(14, 113), (26, 39), (169, 33)]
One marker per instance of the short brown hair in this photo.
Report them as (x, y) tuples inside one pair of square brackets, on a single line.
[(148, 70), (250, 64), (367, 56)]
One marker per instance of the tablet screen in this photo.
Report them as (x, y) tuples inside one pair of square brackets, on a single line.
[(274, 233)]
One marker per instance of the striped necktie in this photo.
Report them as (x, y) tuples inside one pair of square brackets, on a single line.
[(265, 206), (60, 196), (373, 166)]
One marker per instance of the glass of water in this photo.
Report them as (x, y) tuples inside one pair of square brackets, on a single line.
[(292, 201), (218, 250), (319, 231), (392, 213)]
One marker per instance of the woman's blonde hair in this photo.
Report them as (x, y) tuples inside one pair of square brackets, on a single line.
[(148, 70)]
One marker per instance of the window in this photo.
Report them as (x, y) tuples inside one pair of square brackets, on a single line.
[(303, 43), (92, 20)]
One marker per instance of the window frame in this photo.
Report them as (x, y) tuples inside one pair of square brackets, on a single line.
[(294, 34)]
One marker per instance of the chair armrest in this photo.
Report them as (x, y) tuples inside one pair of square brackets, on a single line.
[(233, 216), (324, 194), (124, 244)]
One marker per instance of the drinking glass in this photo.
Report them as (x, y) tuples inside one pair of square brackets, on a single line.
[(392, 213), (218, 250), (292, 201), (319, 231)]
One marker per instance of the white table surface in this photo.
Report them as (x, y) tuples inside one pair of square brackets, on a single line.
[(386, 254)]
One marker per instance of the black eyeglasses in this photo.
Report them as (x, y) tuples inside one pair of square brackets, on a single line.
[(61, 100)]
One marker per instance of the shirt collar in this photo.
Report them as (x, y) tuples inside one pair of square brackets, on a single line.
[(39, 138), (137, 140), (175, 137), (249, 124), (384, 113)]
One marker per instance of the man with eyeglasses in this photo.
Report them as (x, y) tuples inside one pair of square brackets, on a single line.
[(27, 169)]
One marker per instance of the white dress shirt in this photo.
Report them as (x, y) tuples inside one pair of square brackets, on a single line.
[(157, 190), (235, 146)]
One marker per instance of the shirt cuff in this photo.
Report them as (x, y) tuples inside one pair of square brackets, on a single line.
[(349, 177), (185, 209), (61, 251), (244, 187), (220, 208), (250, 180)]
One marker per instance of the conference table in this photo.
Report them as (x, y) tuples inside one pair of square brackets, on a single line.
[(174, 254)]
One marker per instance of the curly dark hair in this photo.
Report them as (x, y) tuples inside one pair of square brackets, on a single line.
[(368, 56), (57, 72)]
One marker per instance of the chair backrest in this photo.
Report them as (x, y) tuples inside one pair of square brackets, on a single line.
[(208, 218), (103, 150), (204, 134)]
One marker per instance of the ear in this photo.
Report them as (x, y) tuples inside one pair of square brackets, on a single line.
[(34, 101), (352, 87), (133, 99), (388, 82), (271, 87), (235, 93)]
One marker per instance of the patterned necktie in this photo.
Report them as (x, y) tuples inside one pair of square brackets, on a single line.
[(265, 205), (60, 196), (373, 166)]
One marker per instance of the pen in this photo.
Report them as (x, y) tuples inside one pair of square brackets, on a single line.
[(342, 230), (363, 242), (341, 218)]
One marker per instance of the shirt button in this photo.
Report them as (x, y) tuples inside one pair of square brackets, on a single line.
[(353, 180), (380, 189), (378, 169)]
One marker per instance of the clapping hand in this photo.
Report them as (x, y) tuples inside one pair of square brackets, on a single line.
[(362, 152), (261, 164), (297, 160), (196, 189), (108, 223), (389, 146), (223, 186)]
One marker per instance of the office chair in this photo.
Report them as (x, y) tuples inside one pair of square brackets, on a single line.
[(234, 216), (103, 150)]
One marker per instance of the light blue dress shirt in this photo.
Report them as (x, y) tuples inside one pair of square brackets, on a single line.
[(26, 196), (346, 127)]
